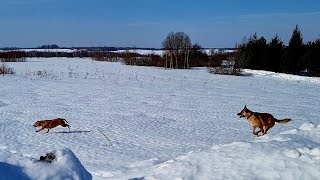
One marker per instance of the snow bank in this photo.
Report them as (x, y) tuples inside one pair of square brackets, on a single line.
[(66, 166), (289, 155), (9, 171), (283, 76)]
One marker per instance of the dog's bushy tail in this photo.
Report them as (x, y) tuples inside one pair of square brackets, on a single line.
[(283, 121)]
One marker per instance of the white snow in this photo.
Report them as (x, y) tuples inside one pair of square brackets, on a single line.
[(291, 156), (65, 166), (142, 51), (50, 50), (282, 76), (160, 52), (138, 51), (210, 51), (163, 124)]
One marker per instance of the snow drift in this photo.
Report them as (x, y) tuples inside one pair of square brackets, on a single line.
[(65, 166), (292, 154)]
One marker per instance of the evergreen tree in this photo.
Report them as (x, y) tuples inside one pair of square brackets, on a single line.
[(251, 54), (311, 59), (261, 47), (294, 52), (274, 54)]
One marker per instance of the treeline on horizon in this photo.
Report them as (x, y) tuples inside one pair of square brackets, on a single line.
[(88, 48), (20, 56), (198, 57), (180, 53), (296, 58)]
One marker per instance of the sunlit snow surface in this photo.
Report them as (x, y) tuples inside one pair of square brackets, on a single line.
[(163, 124)]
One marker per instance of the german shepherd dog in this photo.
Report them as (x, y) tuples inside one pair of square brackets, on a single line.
[(49, 124), (263, 121)]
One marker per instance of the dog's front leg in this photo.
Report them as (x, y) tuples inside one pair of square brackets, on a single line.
[(258, 132), (40, 130), (254, 131)]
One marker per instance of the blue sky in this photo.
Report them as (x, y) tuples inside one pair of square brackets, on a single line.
[(145, 23)]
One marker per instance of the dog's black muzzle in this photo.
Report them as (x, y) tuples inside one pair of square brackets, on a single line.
[(240, 115)]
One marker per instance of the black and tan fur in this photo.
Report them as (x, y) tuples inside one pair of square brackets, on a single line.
[(49, 124), (263, 121)]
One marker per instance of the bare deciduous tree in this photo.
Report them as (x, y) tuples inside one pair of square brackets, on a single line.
[(177, 46)]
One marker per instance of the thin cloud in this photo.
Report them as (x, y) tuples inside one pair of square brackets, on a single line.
[(25, 2), (221, 19), (142, 24), (280, 14)]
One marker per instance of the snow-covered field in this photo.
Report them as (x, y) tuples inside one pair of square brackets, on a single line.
[(50, 50), (142, 51), (138, 51), (163, 124)]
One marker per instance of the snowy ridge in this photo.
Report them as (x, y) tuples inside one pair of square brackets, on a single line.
[(66, 166), (283, 76), (293, 154)]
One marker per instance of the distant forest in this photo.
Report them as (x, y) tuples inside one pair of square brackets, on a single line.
[(296, 58), (89, 48)]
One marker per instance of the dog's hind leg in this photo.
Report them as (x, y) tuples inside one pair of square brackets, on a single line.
[(48, 130), (267, 128), (264, 130)]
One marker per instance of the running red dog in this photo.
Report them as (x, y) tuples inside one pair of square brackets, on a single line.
[(49, 124)]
